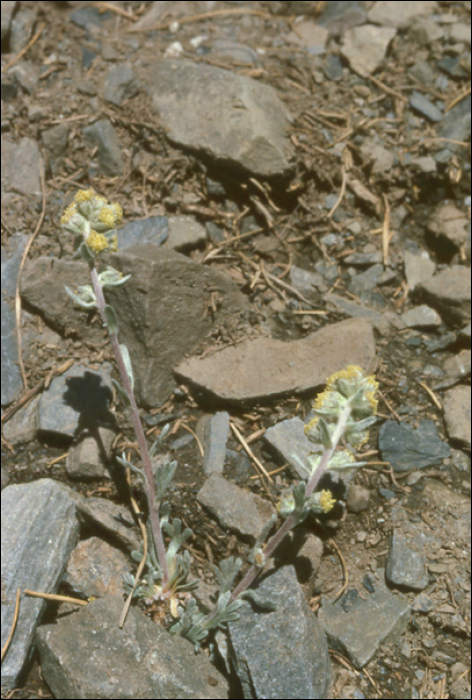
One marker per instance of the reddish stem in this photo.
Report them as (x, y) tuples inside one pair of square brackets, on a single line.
[(149, 485)]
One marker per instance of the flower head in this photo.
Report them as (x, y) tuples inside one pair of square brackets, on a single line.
[(94, 219), (348, 390)]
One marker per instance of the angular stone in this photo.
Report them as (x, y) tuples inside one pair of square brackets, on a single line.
[(8, 8), (143, 659), (449, 292), (365, 47), (120, 84), (236, 509), (267, 369), (229, 117), (408, 448), (457, 414), (76, 400), (39, 531), (165, 310), (397, 13), (25, 168), (358, 632), (282, 653), (422, 317), (103, 135), (448, 221)]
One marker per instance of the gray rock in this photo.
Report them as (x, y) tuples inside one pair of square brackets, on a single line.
[(418, 267), (465, 333), (89, 458), (306, 282), (405, 568), (280, 654), (22, 425), (380, 157), (164, 312), (236, 509), (88, 16), (26, 74), (358, 498), (425, 164), (365, 47), (350, 308), (112, 520), (214, 431), (408, 448), (55, 142), (457, 123), (185, 233), (363, 259), (8, 9), (143, 659), (10, 373), (457, 414), (42, 287), (398, 14), (424, 31), (460, 32), (449, 222), (366, 281), (289, 440), (449, 292), (76, 400), (387, 615), (103, 135), (120, 84), (25, 168), (311, 36), (36, 543), (425, 107), (422, 317), (21, 28), (153, 230), (12, 382), (267, 369), (229, 117), (96, 569)]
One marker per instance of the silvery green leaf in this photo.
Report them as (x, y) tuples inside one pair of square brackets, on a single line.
[(323, 433), (112, 278), (262, 537), (366, 423), (347, 465), (259, 602), (85, 253), (127, 361), (159, 440), (163, 475), (110, 319), (128, 465), (226, 573), (79, 301), (122, 393)]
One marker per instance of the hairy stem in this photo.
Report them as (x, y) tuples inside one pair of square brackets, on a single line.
[(276, 539), (149, 486)]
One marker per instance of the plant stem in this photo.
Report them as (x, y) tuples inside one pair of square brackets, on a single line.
[(276, 539), (149, 485)]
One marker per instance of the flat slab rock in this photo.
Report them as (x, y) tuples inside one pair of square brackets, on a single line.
[(227, 116), (266, 368)]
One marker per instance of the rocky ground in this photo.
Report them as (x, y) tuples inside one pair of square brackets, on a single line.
[(295, 180)]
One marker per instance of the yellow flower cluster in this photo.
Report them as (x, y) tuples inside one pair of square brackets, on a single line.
[(327, 501), (91, 216)]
